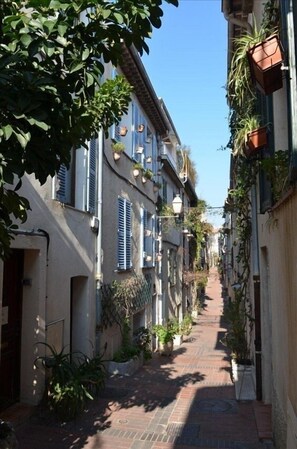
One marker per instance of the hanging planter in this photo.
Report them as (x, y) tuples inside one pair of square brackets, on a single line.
[(140, 128), (139, 149), (118, 148), (265, 60), (256, 140), (137, 168), (158, 257), (149, 160), (123, 130)]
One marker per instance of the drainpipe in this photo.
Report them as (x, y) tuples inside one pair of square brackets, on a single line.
[(98, 274), (292, 83), (257, 294)]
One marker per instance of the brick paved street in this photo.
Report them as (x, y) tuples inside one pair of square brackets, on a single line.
[(185, 401)]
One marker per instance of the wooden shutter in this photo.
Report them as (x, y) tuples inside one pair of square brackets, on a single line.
[(91, 182), (63, 192), (124, 234)]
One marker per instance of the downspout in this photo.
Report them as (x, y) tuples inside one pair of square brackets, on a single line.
[(98, 274), (293, 85), (257, 294)]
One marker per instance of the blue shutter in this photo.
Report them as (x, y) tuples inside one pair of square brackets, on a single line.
[(145, 239), (91, 202), (128, 235), (135, 137), (63, 192), (121, 233), (154, 154), (124, 234)]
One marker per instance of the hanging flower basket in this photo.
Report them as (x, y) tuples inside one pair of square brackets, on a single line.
[(140, 128), (256, 140), (265, 60)]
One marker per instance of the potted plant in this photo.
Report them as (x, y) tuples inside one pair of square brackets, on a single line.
[(236, 340), (256, 62), (117, 148), (249, 136), (165, 334), (147, 174), (140, 128), (265, 60), (149, 160), (157, 186), (137, 168), (123, 130), (276, 168), (140, 149)]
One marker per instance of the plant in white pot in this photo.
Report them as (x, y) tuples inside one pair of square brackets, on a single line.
[(165, 334), (137, 168), (118, 148)]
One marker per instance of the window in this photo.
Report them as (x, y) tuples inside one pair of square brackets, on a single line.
[(64, 182), (91, 176), (139, 137), (265, 108), (77, 186), (172, 266), (147, 236), (124, 234)]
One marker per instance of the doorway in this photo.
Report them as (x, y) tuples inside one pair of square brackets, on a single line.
[(10, 362)]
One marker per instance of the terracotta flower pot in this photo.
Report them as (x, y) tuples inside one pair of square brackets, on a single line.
[(256, 140), (265, 61), (123, 130)]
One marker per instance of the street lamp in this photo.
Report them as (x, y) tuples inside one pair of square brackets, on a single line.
[(177, 204)]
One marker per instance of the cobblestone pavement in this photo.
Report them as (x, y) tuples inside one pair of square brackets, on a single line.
[(185, 401)]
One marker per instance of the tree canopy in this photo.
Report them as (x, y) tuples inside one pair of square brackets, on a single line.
[(52, 98)]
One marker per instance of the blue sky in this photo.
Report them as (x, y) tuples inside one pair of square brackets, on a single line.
[(187, 67)]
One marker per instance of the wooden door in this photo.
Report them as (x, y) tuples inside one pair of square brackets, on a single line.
[(11, 329)]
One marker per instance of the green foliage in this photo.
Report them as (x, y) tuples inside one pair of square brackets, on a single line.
[(142, 339), (165, 333), (235, 338), (138, 166), (125, 292), (184, 327), (128, 350), (74, 379), (52, 97), (186, 324), (245, 125), (118, 147), (148, 174), (276, 168)]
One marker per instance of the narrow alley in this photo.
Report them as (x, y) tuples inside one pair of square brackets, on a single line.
[(179, 402)]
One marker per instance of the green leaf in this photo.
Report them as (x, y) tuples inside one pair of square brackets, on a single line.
[(62, 28), (26, 40), (75, 66), (119, 17), (7, 131), (85, 54), (49, 25)]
